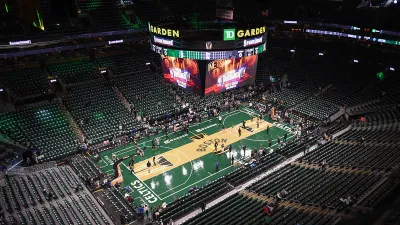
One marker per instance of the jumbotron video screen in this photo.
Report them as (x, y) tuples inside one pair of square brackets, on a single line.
[(183, 73), (223, 75)]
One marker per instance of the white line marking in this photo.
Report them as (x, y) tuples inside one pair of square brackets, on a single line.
[(132, 146), (15, 165), (210, 120), (140, 198), (196, 182), (236, 112), (190, 175), (142, 182), (157, 169), (192, 133), (191, 170), (272, 125), (124, 149), (126, 152)]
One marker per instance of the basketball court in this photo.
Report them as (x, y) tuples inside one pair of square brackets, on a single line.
[(189, 159)]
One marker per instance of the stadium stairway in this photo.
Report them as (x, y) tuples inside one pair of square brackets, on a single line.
[(351, 110), (340, 113), (121, 97), (72, 123)]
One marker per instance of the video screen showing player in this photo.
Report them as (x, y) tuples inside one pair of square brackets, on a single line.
[(223, 75), (182, 72)]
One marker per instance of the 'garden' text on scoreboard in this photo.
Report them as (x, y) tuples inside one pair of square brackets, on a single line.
[(163, 31)]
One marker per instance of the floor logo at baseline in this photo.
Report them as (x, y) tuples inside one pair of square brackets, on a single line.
[(207, 127), (175, 139), (204, 146), (143, 191)]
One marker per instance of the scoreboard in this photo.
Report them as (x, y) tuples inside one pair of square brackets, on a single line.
[(210, 60), (208, 55)]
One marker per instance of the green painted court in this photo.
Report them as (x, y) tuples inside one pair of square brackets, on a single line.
[(180, 166)]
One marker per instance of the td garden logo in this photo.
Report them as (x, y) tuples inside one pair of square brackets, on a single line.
[(229, 34)]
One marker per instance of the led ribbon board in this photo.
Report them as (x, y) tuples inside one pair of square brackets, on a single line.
[(209, 55)]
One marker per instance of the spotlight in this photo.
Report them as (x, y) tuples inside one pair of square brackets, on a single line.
[(321, 54)]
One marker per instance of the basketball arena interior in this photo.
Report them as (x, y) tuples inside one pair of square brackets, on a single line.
[(213, 112)]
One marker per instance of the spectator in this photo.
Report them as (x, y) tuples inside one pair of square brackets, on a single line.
[(146, 210), (324, 164), (266, 210), (347, 201), (141, 211), (203, 206)]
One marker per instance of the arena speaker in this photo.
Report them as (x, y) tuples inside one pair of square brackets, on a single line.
[(56, 85), (105, 73), (5, 94), (151, 67)]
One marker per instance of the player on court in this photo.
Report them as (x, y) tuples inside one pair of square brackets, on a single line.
[(240, 132), (132, 164), (148, 166), (158, 141)]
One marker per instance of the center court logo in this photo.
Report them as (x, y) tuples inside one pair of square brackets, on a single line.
[(229, 34)]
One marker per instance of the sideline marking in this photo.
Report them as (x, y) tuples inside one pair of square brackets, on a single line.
[(271, 125), (197, 149), (141, 182), (131, 146), (195, 182), (191, 169), (209, 120), (127, 149)]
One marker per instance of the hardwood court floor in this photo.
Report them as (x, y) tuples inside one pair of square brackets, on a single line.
[(181, 166)]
